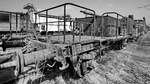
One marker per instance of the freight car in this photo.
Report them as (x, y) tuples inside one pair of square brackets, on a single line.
[(11, 22)]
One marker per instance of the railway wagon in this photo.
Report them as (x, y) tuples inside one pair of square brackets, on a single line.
[(11, 22)]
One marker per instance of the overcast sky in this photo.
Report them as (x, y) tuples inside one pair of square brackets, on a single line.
[(124, 7)]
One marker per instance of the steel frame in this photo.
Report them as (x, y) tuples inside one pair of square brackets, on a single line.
[(10, 17), (102, 22), (64, 17)]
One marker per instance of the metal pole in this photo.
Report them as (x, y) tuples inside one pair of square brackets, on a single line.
[(35, 20), (16, 22), (10, 23), (80, 32), (64, 22), (58, 29), (95, 26), (82, 29), (73, 28), (127, 26), (27, 22), (117, 26), (91, 30), (35, 25), (46, 23), (102, 25)]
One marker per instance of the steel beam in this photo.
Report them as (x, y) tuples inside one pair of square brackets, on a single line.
[(10, 23), (46, 23), (64, 23), (117, 26), (66, 4), (16, 23), (11, 12), (112, 13)]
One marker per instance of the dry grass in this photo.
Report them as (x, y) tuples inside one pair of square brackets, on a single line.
[(116, 67)]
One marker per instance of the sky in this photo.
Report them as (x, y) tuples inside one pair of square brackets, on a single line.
[(123, 7)]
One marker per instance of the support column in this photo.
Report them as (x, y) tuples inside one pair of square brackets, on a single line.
[(102, 26), (35, 25), (46, 23), (73, 29), (117, 26), (16, 23), (10, 23), (64, 23), (59, 34)]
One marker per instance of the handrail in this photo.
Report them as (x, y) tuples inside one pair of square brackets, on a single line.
[(1, 11), (63, 5), (102, 26), (112, 13)]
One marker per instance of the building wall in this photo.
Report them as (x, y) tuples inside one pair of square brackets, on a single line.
[(110, 25), (123, 23), (140, 26), (125, 26), (130, 26), (107, 29), (5, 25)]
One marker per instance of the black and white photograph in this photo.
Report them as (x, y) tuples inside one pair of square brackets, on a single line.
[(74, 41)]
